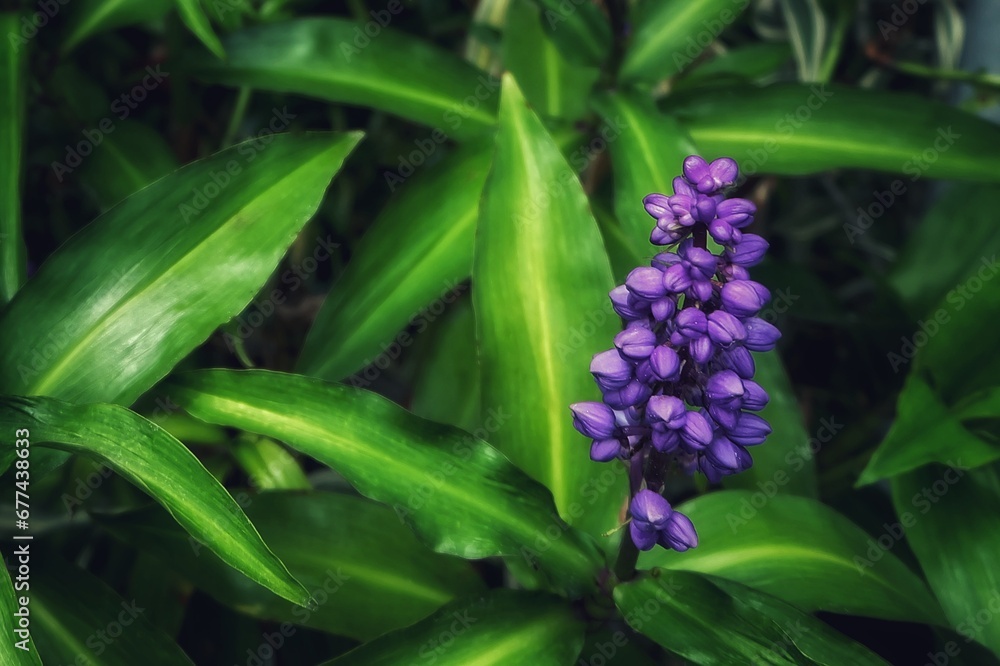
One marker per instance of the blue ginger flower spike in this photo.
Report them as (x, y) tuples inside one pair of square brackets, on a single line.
[(678, 386)]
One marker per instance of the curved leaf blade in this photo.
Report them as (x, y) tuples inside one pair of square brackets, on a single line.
[(796, 129), (579, 30), (542, 276), (13, 103), (461, 496), (115, 308), (663, 42), (418, 250), (374, 574), (90, 17), (333, 59), (808, 33), (799, 551), (194, 17), (162, 467), (714, 622), (504, 627)]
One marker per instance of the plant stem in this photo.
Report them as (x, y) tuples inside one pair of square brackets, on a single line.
[(239, 110), (628, 555)]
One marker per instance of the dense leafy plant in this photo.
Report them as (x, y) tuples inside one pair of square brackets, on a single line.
[(251, 417)]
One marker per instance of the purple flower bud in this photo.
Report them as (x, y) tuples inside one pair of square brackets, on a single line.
[(643, 537), (701, 290), (701, 349), (624, 304), (657, 205), (755, 398), (667, 233), (749, 251), (691, 323), (594, 419), (725, 329), (744, 298), (636, 342), (750, 430), (682, 186), (726, 416), (710, 177), (679, 533), (722, 233), (603, 450), (667, 410), (698, 258), (664, 308), (723, 454), (703, 209), (737, 213), (697, 432), (650, 508), (634, 393), (610, 370), (676, 279), (665, 441), (739, 360), (646, 282), (666, 364), (732, 273), (725, 388), (761, 336)]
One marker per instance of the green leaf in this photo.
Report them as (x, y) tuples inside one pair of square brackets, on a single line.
[(799, 551), (127, 160), (552, 84), (90, 17), (787, 458), (13, 101), (950, 518), (808, 32), (821, 127), (194, 17), (162, 467), (504, 627), (664, 38), (647, 154), (922, 423), (268, 465), (745, 64), (448, 388), (939, 255), (460, 495), (713, 622), (116, 307), (334, 60), (75, 615), (10, 616), (578, 29), (541, 278), (418, 251), (375, 576)]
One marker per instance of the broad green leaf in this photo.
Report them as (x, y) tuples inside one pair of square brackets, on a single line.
[(13, 101), (501, 628), (335, 60), (449, 383), (922, 424), (268, 465), (75, 616), (713, 622), (410, 264), (127, 160), (668, 35), (647, 153), (12, 654), (90, 17), (808, 33), (460, 495), (797, 129), (194, 17), (788, 457), (162, 467), (552, 84), (940, 255), (800, 551), (578, 29), (744, 64), (541, 278), (116, 307), (950, 517), (375, 575)]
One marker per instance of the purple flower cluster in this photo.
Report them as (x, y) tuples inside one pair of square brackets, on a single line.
[(678, 386)]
